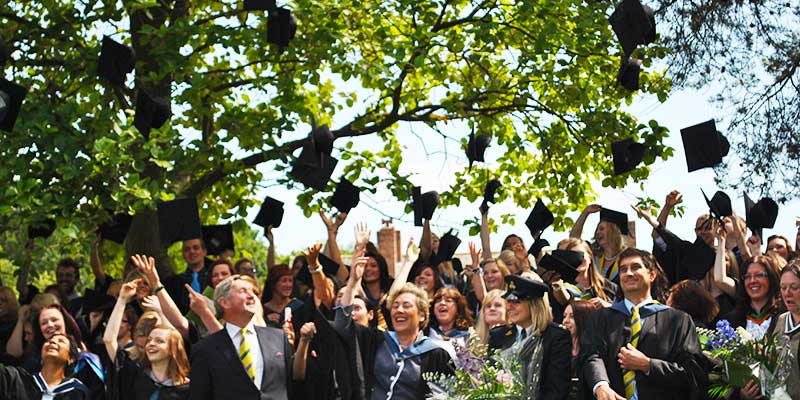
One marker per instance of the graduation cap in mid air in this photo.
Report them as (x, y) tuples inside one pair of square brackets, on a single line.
[(115, 62), (627, 155), (346, 196), (634, 24), (719, 205), (704, 145), (270, 213), (448, 244), (218, 238), (628, 75), (476, 147), (761, 214), (313, 174), (116, 229), (537, 246), (11, 97), (179, 220), (424, 204), (617, 218), (565, 262), (488, 193), (539, 219), (151, 113), (41, 229), (281, 26)]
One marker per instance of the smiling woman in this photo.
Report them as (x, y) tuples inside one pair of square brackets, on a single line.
[(756, 298), (59, 353)]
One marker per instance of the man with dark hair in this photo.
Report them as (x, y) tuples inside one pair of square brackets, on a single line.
[(198, 269), (67, 277), (638, 348)]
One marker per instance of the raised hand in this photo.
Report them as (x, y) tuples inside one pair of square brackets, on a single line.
[(268, 234), (151, 303), (673, 199), (592, 208), (307, 331), (412, 252), (362, 233), (475, 255), (357, 271), (646, 215), (287, 328), (312, 256), (197, 302), (148, 267), (128, 290)]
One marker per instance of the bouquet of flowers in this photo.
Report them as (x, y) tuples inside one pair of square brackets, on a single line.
[(476, 378), (742, 358)]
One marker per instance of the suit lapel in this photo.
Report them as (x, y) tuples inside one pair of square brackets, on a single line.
[(263, 346)]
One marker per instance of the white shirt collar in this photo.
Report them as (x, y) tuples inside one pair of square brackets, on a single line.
[(234, 331), (629, 304)]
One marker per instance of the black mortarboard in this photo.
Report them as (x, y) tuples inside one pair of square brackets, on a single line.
[(115, 62), (151, 113), (634, 24), (305, 171), (761, 214), (448, 244), (628, 75), (476, 146), (346, 196), (565, 262), (489, 192), (329, 268), (615, 217), (218, 238), (270, 213), (704, 145), (255, 5), (281, 26), (96, 301), (520, 288), (627, 155), (537, 246), (42, 229), (539, 218), (11, 97), (719, 205), (116, 229), (179, 220), (698, 258), (424, 204), (322, 138)]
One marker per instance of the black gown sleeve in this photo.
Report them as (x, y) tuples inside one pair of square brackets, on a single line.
[(12, 383), (556, 376)]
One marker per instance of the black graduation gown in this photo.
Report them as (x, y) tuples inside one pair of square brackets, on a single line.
[(668, 337), (683, 259), (18, 384), (555, 381), (363, 345), (127, 381)]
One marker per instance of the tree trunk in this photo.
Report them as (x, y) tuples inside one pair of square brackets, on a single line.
[(143, 238)]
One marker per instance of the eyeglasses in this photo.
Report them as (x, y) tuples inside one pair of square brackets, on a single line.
[(755, 276)]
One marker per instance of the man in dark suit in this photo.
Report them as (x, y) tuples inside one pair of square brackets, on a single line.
[(241, 361), (637, 348), (197, 274)]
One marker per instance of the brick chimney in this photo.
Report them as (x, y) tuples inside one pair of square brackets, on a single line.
[(389, 242)]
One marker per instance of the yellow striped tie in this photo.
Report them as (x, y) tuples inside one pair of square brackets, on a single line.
[(247, 357), (629, 377)]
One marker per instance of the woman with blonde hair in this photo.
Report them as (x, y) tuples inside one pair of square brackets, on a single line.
[(542, 347), (589, 284), (608, 242), (493, 313)]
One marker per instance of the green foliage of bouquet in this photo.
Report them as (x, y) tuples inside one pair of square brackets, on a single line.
[(739, 358), (478, 378)]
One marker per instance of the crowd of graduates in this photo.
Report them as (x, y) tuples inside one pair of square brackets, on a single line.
[(586, 319)]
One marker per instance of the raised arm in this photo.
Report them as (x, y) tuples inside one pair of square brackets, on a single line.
[(673, 198), (721, 278), (307, 332), (331, 247), (353, 283), (95, 262), (166, 305), (425, 242), (408, 262), (475, 273), (362, 235), (323, 292), (22, 279), (127, 292), (197, 303), (485, 242), (14, 346), (270, 248), (577, 229)]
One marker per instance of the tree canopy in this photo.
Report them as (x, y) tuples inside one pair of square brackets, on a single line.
[(538, 77)]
